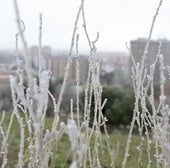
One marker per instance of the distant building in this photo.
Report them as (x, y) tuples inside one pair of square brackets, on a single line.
[(137, 48), (59, 64)]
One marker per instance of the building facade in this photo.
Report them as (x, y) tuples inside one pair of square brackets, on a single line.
[(137, 48), (59, 64)]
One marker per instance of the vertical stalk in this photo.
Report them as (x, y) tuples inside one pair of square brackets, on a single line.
[(26, 52)]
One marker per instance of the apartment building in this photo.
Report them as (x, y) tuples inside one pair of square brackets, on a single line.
[(137, 48)]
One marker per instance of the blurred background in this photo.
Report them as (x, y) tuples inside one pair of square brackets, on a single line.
[(118, 23)]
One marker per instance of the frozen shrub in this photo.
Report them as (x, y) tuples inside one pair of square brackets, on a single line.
[(30, 104)]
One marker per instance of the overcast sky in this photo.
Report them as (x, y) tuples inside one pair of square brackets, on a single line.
[(117, 21)]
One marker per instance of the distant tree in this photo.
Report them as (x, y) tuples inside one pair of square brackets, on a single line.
[(119, 107)]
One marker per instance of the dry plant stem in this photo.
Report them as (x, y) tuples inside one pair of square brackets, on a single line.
[(3, 147), (22, 139), (23, 108), (152, 102), (67, 66), (9, 126), (162, 82), (88, 100), (41, 91), (38, 144), (164, 110), (87, 110), (140, 76), (154, 110), (21, 124), (92, 53), (93, 90), (148, 146), (131, 55), (52, 138), (129, 140), (161, 73), (156, 135), (97, 119), (2, 118), (55, 106), (5, 144), (40, 68), (85, 29), (40, 45), (112, 157), (131, 127), (41, 145), (26, 52), (95, 86), (77, 82), (149, 37), (21, 93), (71, 109), (21, 86), (86, 122)]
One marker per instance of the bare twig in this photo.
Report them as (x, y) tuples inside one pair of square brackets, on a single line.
[(26, 52), (67, 66)]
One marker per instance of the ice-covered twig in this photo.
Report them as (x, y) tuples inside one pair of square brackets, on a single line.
[(26, 52)]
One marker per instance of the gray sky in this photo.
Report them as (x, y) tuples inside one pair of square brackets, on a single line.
[(117, 21)]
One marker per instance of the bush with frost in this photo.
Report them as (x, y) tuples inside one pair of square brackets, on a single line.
[(30, 104)]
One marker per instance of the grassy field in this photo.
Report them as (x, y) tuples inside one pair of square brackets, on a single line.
[(61, 155)]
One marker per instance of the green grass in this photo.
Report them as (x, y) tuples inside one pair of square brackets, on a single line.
[(61, 154)]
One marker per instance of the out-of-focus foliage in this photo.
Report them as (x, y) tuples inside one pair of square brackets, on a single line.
[(119, 107)]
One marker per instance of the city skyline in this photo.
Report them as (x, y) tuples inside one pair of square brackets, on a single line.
[(117, 22)]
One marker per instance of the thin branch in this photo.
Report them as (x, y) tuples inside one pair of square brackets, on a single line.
[(26, 52), (67, 65), (150, 33), (40, 45)]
